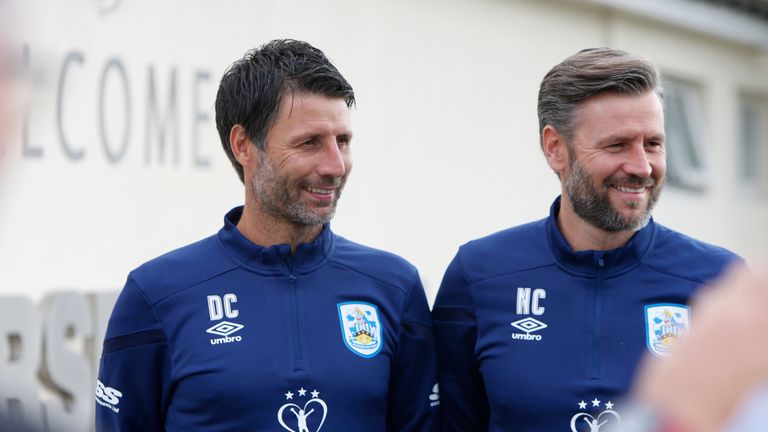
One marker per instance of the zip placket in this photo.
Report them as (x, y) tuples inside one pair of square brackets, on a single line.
[(598, 316), (298, 362)]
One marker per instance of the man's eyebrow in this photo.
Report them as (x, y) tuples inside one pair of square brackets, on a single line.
[(624, 138), (302, 135), (309, 133)]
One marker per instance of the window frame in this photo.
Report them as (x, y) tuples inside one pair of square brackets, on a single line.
[(756, 186), (682, 171)]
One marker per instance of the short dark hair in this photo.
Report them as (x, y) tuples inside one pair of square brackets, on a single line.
[(252, 88), (585, 74)]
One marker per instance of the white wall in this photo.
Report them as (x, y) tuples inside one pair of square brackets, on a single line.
[(446, 134), (446, 141)]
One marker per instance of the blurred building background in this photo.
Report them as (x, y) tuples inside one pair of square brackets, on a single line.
[(116, 159)]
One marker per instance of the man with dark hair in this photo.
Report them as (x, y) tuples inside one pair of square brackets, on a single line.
[(275, 322), (540, 327)]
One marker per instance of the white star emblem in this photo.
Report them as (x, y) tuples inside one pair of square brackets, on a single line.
[(302, 392), (609, 405), (582, 405), (315, 394), (595, 402), (289, 395)]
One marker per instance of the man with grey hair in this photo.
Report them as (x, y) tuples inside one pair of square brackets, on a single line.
[(540, 327), (275, 323)]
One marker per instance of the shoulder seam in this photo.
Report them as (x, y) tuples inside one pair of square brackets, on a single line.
[(215, 275), (472, 305), (403, 291), (658, 270), (504, 274), (159, 321), (403, 305), (151, 305)]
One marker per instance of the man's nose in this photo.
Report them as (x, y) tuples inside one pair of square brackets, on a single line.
[(637, 162), (331, 162)]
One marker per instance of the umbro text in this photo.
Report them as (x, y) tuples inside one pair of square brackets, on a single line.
[(226, 339), (526, 336)]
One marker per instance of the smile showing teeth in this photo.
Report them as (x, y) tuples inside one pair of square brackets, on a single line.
[(630, 190), (320, 191)]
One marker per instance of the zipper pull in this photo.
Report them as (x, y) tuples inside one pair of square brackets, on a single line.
[(600, 260)]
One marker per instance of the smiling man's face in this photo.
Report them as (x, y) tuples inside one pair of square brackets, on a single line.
[(617, 160), (300, 175)]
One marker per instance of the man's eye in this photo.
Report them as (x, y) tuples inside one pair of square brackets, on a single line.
[(343, 141)]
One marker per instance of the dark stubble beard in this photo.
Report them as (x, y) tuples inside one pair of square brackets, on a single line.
[(594, 206), (277, 198)]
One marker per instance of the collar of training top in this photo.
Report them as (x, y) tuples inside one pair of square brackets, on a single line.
[(612, 261), (276, 259)]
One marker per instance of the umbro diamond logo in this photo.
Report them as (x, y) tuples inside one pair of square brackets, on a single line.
[(225, 328), (220, 307), (528, 325)]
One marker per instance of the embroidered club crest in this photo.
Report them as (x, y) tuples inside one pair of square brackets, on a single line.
[(360, 328), (665, 323)]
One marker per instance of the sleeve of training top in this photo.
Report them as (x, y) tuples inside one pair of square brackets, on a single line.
[(413, 399), (132, 390), (464, 404)]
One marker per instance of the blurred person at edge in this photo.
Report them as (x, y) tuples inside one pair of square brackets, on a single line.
[(540, 327), (16, 85), (6, 92), (275, 322), (716, 379), (9, 82)]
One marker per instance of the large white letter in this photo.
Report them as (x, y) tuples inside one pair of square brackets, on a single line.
[(19, 359), (101, 308), (523, 301), (228, 311), (538, 294), (68, 327), (215, 310)]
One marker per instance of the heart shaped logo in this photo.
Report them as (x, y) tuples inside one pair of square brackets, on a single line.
[(291, 413), (592, 424)]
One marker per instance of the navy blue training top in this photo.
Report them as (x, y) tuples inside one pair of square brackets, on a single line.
[(534, 337), (226, 335)]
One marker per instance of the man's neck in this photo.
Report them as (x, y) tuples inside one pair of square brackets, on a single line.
[(581, 235), (266, 230)]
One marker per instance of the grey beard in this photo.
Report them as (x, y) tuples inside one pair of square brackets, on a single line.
[(596, 208), (276, 198)]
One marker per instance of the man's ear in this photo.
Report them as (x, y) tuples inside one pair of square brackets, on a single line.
[(555, 149), (242, 146)]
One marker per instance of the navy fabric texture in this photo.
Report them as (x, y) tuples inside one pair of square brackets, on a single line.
[(226, 335), (561, 361)]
